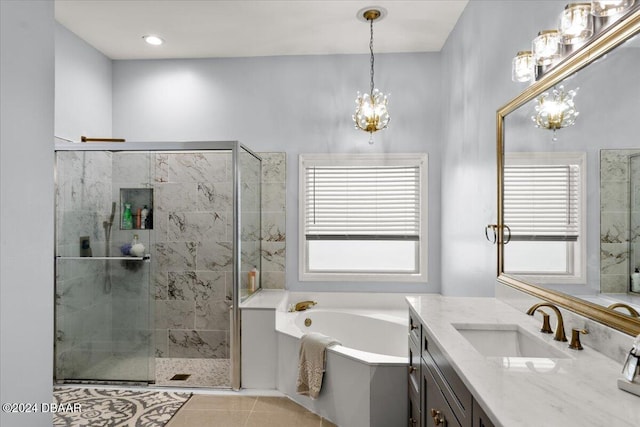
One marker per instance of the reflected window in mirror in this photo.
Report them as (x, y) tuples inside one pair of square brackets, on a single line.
[(544, 210)]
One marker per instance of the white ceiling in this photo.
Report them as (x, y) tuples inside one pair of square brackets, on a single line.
[(216, 28)]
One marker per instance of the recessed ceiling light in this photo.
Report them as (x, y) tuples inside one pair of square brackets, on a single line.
[(153, 40)]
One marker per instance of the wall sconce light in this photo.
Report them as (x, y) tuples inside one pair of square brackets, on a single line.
[(610, 7), (522, 66), (546, 47), (371, 113), (556, 110), (576, 23)]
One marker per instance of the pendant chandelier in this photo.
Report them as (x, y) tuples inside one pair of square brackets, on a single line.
[(371, 108)]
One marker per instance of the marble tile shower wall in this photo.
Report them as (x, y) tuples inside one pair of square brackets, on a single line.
[(83, 314), (274, 178), (615, 212), (192, 272)]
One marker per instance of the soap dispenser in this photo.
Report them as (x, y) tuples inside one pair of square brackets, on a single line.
[(137, 248), (635, 281)]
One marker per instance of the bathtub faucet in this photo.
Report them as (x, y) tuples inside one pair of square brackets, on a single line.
[(303, 305)]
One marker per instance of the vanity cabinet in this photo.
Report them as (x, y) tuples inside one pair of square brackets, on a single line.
[(415, 336), (480, 418), (440, 398)]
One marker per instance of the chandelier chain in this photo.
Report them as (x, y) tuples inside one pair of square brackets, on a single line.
[(371, 50)]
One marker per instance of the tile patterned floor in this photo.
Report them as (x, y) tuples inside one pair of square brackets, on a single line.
[(202, 372), (245, 411)]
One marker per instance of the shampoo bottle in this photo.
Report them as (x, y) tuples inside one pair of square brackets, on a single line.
[(143, 216), (139, 218), (252, 280), (127, 218), (635, 281)]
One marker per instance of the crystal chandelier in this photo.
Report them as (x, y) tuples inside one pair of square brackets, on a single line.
[(371, 108), (556, 110)]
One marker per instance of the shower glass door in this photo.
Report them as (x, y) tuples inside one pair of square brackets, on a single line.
[(103, 305)]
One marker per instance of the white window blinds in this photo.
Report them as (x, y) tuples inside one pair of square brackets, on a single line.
[(362, 203), (542, 202)]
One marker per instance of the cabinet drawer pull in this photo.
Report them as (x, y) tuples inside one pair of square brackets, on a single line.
[(413, 421), (438, 418), (412, 369), (413, 327)]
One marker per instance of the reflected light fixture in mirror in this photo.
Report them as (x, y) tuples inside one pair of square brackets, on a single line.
[(610, 7), (556, 110), (371, 113), (522, 66), (576, 23)]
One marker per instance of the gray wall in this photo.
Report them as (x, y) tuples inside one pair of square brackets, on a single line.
[(26, 207), (476, 64), (83, 88), (300, 104)]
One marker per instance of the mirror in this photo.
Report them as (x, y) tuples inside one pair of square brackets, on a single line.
[(567, 206)]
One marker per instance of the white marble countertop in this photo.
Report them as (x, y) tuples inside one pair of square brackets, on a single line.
[(577, 391), (265, 299)]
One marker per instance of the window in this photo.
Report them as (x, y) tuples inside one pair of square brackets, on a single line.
[(363, 217), (544, 208)]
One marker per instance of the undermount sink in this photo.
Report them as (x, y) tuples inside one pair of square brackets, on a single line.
[(507, 340)]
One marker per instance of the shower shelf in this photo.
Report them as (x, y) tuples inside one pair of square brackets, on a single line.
[(115, 258)]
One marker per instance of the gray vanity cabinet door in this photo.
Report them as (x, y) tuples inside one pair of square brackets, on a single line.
[(414, 407), (435, 409), (480, 418)]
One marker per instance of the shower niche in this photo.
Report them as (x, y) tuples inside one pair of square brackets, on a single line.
[(140, 208)]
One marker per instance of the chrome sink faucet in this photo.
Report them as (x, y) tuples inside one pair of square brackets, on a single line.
[(560, 335)]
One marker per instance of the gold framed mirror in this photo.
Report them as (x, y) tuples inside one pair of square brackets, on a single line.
[(580, 267)]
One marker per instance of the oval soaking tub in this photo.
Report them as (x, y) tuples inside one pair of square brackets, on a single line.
[(365, 380)]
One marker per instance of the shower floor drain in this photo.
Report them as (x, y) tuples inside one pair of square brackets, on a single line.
[(180, 377)]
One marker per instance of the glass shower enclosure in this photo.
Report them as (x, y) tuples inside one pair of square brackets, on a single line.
[(156, 246)]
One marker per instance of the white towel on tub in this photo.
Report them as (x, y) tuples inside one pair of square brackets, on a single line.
[(311, 363)]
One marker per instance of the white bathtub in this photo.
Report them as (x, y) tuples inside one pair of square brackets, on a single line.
[(365, 383)]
